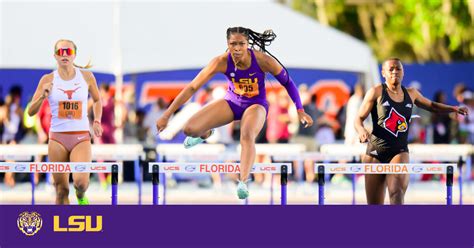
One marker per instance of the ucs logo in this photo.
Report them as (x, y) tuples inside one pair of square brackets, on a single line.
[(29, 223)]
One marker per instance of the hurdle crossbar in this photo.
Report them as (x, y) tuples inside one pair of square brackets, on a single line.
[(384, 168), (66, 167)]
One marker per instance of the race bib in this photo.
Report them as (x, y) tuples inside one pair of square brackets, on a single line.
[(70, 110), (246, 87)]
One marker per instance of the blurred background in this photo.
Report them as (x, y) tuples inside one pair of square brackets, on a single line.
[(144, 52)]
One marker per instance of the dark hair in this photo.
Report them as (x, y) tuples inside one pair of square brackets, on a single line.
[(437, 96), (258, 39), (105, 86), (16, 90), (391, 59)]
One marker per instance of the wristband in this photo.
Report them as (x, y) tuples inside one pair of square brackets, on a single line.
[(98, 122)]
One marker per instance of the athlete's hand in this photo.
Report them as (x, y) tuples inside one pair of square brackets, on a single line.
[(46, 90), (305, 119), (97, 127), (462, 110), (162, 122), (364, 136)]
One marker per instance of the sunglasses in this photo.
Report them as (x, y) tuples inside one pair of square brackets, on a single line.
[(67, 51)]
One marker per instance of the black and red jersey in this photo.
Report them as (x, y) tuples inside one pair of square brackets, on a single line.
[(391, 120)]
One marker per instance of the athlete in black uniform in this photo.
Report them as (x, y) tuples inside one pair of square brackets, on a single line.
[(390, 105)]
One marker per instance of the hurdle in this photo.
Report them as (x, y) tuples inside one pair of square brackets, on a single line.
[(226, 168), (455, 153), (108, 152), (381, 168), (67, 167)]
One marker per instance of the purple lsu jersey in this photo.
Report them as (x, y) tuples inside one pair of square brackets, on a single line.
[(245, 86)]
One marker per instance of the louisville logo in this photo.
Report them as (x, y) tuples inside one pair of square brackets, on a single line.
[(29, 223), (69, 92), (395, 123)]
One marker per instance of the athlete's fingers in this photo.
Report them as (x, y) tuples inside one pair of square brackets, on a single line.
[(98, 131), (309, 121)]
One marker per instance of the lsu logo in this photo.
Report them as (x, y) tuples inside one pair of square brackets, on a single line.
[(245, 81), (29, 223), (395, 123), (247, 87), (79, 223)]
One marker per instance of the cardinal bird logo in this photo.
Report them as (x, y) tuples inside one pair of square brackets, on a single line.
[(395, 123), (69, 92)]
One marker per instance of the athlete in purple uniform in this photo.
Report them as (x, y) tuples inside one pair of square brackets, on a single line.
[(245, 100), (390, 105)]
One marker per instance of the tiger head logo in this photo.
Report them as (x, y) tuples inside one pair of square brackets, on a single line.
[(395, 123), (29, 223)]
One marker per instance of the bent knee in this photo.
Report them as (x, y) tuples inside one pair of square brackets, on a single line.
[(190, 130), (398, 192), (81, 186)]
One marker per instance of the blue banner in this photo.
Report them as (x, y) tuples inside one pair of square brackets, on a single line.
[(434, 77)]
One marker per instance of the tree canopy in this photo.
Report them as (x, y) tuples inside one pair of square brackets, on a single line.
[(413, 30)]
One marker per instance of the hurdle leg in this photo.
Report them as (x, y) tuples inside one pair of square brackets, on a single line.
[(353, 176), (138, 179), (164, 182), (353, 189), (156, 183), (32, 180), (271, 190), (283, 182), (460, 162), (468, 168), (321, 185), (247, 199), (449, 185), (327, 177), (115, 171), (164, 189)]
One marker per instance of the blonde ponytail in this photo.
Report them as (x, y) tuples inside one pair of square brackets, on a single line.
[(89, 65)]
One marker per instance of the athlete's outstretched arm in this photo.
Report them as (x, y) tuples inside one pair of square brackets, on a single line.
[(364, 111), (216, 65), (97, 102), (436, 107), (42, 92), (269, 64)]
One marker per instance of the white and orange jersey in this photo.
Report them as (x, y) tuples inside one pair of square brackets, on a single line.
[(68, 100)]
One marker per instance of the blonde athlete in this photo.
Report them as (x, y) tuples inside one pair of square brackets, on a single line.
[(67, 90)]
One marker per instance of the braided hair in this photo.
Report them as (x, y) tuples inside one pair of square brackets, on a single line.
[(261, 40)]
